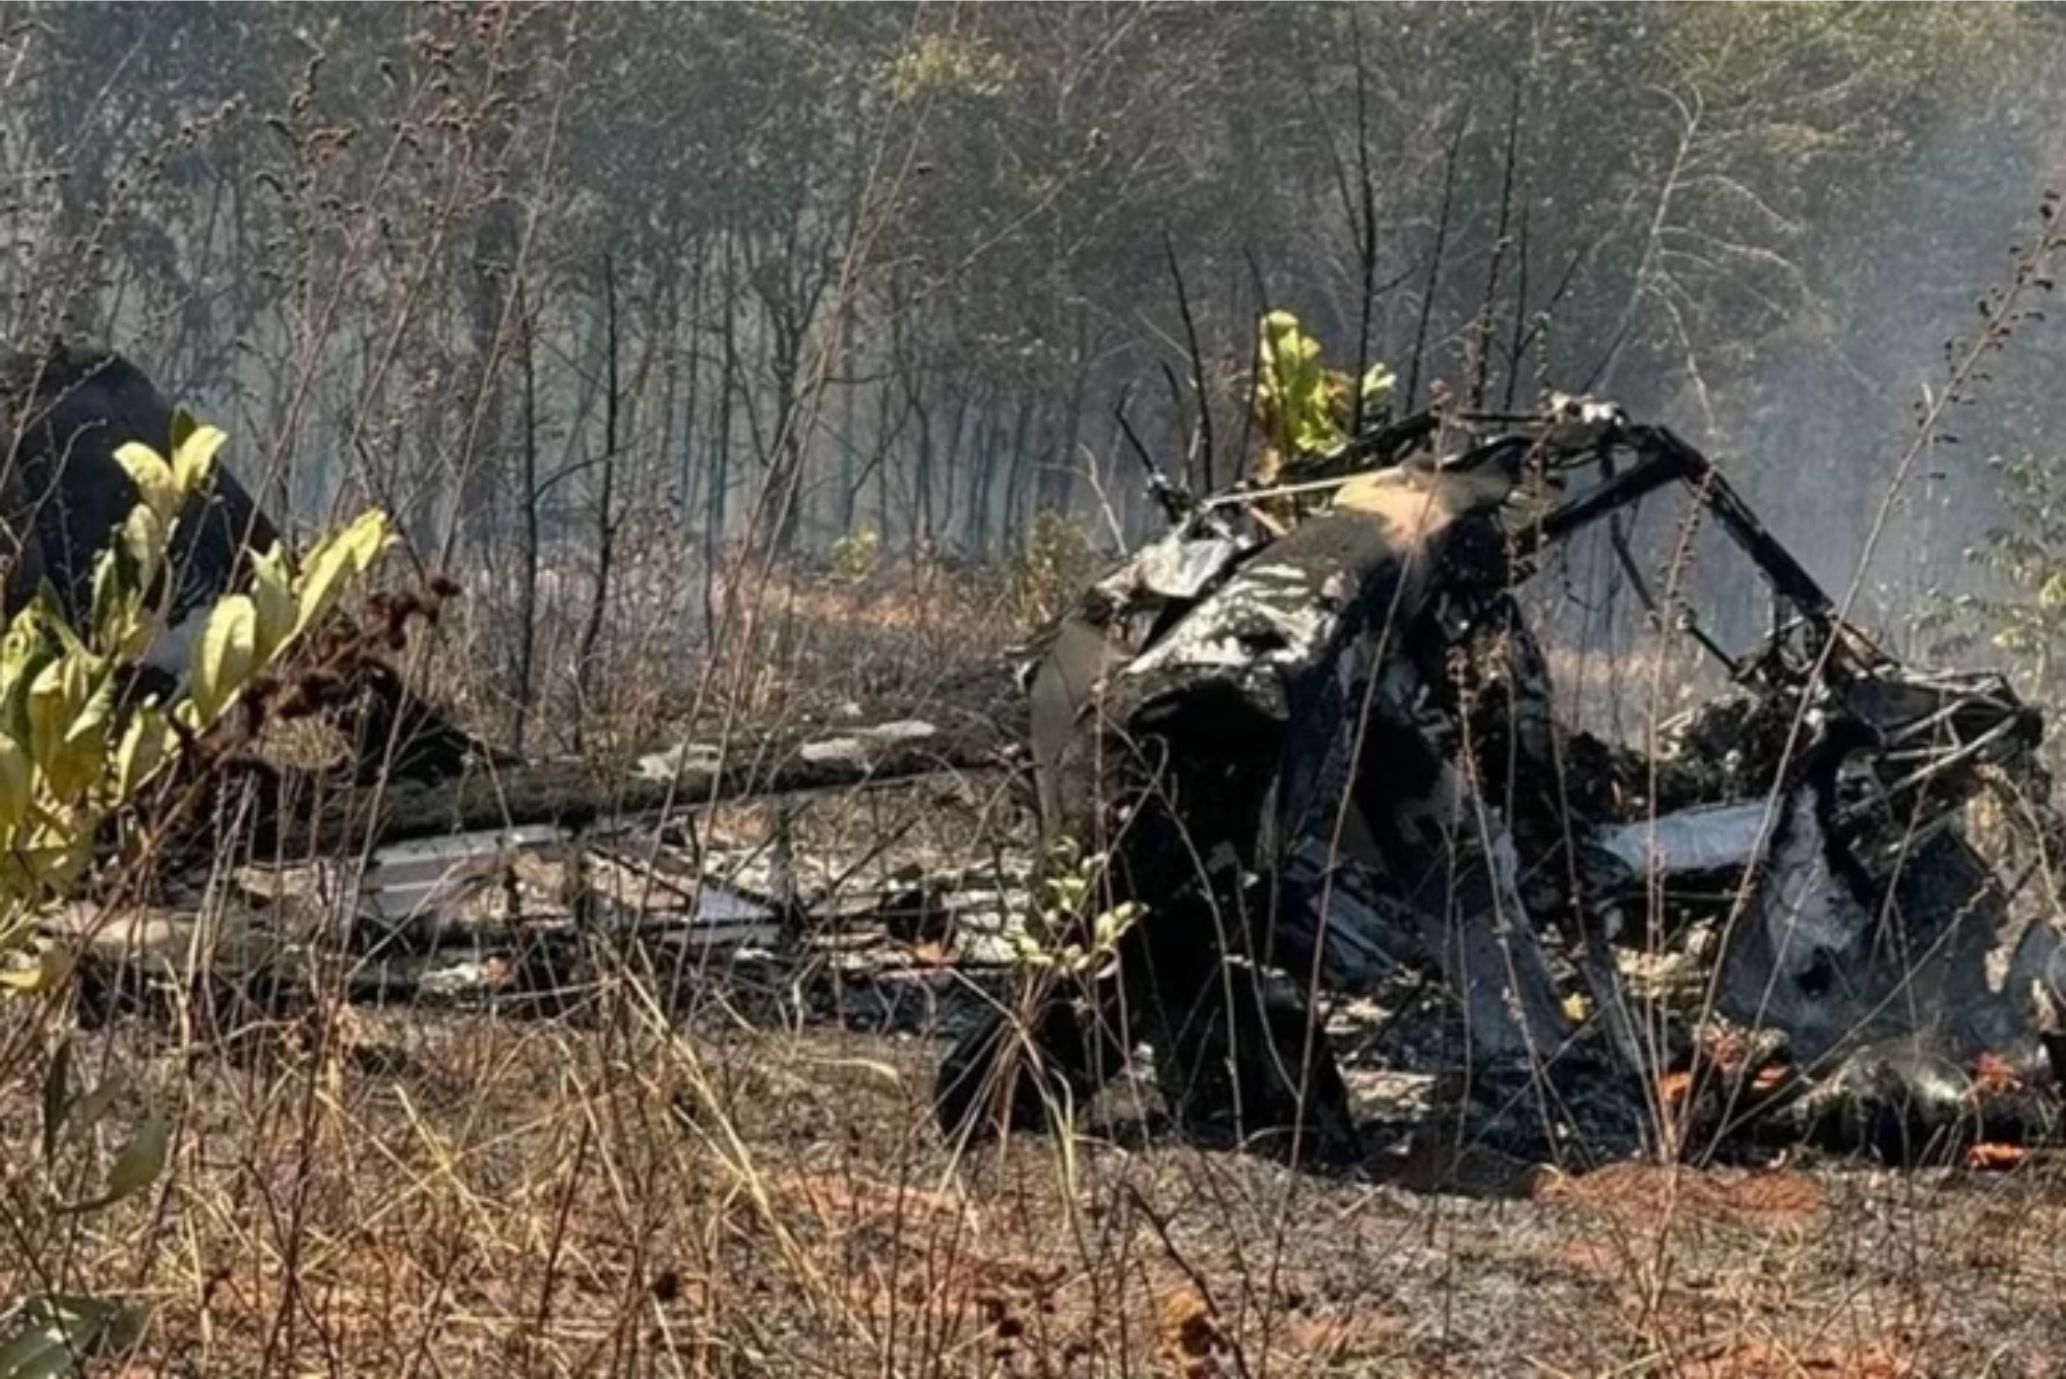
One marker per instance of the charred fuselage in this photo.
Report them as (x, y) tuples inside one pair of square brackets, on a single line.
[(1313, 757)]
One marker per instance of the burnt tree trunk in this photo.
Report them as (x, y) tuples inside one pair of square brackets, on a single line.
[(527, 573), (605, 517)]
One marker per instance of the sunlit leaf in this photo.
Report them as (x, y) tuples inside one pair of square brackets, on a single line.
[(52, 967), (107, 593), (1378, 383), (72, 753), (225, 656), (335, 562), (1114, 923), (272, 595), (54, 864), (1303, 405), (194, 460), (82, 755), (152, 476), (52, 625), (17, 649), (143, 538), (53, 696), (146, 743)]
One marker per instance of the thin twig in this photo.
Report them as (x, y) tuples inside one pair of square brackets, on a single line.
[(1367, 248), (1481, 334), (1427, 297), (1255, 362), (1183, 306)]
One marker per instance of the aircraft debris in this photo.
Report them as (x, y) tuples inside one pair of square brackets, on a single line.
[(1315, 749)]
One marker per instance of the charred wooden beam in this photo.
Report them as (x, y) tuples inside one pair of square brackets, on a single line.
[(579, 794)]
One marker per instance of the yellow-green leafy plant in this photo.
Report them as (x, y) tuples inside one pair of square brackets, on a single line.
[(854, 555), (68, 760), (1069, 931), (1052, 568), (1303, 407), (74, 756)]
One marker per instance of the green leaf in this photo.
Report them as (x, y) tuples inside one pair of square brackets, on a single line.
[(55, 862), (55, 1334), (152, 476), (143, 538), (52, 967), (146, 742), (1378, 383), (1298, 398), (51, 623), (17, 786), (137, 1166), (70, 703), (91, 1106), (54, 695), (17, 649), (194, 459), (142, 1160), (272, 595), (81, 757), (1112, 925), (107, 591), (118, 617), (225, 657), (344, 556)]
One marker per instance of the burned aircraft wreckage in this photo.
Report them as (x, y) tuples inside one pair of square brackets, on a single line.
[(1314, 753)]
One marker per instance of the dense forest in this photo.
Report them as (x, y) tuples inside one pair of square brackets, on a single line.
[(596, 299)]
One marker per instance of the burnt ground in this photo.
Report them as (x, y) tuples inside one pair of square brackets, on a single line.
[(736, 1193), (580, 1176)]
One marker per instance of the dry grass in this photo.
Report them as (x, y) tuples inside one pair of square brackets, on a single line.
[(410, 1193)]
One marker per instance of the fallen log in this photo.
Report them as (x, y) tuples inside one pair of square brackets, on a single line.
[(578, 795)]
